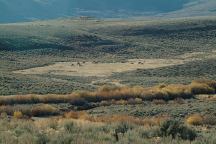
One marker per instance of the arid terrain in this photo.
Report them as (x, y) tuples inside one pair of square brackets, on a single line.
[(108, 81), (88, 69)]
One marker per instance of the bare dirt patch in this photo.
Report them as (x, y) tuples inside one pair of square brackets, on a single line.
[(86, 69)]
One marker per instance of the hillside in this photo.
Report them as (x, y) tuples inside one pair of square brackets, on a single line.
[(196, 8), (134, 52), (135, 81), (28, 10)]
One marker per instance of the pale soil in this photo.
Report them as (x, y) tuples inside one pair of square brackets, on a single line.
[(99, 69), (85, 69)]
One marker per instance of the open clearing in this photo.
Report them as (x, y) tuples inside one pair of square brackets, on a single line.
[(86, 69)]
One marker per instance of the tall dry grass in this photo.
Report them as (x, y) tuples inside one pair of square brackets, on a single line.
[(203, 87), (38, 110), (148, 121), (162, 92), (198, 119)]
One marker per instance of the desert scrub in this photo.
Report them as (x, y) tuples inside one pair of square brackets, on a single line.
[(39, 110), (18, 131), (148, 121), (176, 129), (68, 131), (209, 119), (69, 127)]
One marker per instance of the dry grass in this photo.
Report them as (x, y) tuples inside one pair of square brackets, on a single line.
[(162, 92), (38, 110), (153, 121), (203, 87), (76, 115), (195, 119), (44, 110), (198, 119), (149, 121), (122, 102), (159, 102), (18, 115)]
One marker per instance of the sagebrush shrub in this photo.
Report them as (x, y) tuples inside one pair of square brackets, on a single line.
[(176, 129), (123, 128), (209, 120)]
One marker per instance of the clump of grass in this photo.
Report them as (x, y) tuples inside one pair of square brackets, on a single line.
[(30, 110), (203, 87), (176, 91), (18, 115), (195, 119), (44, 110), (198, 119)]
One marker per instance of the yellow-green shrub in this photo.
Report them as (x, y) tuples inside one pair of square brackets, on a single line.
[(195, 119), (18, 115)]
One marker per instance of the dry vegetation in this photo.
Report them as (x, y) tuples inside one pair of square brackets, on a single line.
[(67, 131), (34, 110), (195, 119), (198, 119), (78, 126), (161, 92), (122, 114), (151, 121), (46, 105), (18, 115)]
